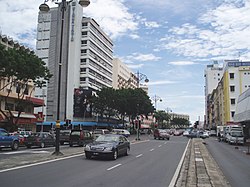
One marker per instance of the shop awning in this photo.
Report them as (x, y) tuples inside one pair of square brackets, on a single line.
[(35, 101)]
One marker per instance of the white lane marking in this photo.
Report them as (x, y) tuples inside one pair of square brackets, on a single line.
[(15, 152), (138, 155), (165, 143), (152, 149), (198, 159), (177, 171), (159, 146), (197, 152), (114, 167), (44, 162), (27, 151)]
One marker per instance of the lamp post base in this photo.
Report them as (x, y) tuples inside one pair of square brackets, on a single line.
[(57, 153)]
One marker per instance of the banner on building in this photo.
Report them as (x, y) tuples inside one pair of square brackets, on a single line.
[(82, 104)]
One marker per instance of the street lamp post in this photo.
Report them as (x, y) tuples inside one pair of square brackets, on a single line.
[(45, 8), (156, 98), (140, 77)]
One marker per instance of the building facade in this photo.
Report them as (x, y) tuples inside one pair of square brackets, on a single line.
[(212, 74), (123, 76), (83, 51), (221, 103), (13, 92)]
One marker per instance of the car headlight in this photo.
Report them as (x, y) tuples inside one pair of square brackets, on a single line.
[(87, 148), (108, 148)]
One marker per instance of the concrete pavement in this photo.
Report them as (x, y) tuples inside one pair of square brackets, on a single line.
[(199, 169)]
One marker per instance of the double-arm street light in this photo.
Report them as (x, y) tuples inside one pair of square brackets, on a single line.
[(155, 99), (45, 8), (141, 77)]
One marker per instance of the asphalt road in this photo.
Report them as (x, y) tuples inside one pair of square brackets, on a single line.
[(150, 163), (234, 163)]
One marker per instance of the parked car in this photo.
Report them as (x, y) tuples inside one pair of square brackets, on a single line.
[(212, 133), (20, 137), (41, 139), (6, 140), (80, 137), (161, 134), (186, 133), (64, 136), (97, 132), (123, 132), (110, 145)]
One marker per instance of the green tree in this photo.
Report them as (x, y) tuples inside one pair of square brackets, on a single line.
[(19, 67), (160, 117), (180, 123), (122, 102)]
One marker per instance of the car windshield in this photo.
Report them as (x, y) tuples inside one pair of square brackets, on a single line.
[(237, 134), (107, 139)]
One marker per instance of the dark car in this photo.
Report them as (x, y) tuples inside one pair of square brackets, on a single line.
[(41, 139), (80, 137), (6, 140), (110, 145), (64, 136), (161, 134)]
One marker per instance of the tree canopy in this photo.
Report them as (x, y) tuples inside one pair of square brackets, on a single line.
[(122, 102), (19, 67)]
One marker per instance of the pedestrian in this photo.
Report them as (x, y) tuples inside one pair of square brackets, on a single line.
[(219, 136)]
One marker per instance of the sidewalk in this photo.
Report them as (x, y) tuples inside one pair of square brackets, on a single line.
[(199, 169)]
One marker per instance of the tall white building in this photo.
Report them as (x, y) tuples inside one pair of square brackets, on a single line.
[(85, 54), (212, 74)]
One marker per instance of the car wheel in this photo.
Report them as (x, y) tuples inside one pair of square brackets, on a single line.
[(15, 146), (127, 151), (115, 155), (62, 143), (42, 145), (28, 146), (154, 137), (88, 155), (70, 144), (167, 138)]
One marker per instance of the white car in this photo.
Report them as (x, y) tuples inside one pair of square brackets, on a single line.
[(121, 131), (186, 133)]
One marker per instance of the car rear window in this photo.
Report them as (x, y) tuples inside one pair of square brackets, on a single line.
[(75, 133)]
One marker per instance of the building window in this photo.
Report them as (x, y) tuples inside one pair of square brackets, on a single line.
[(232, 101), (84, 24), (84, 42), (83, 70), (82, 79), (232, 88), (84, 51), (84, 33), (232, 114), (83, 60), (231, 75)]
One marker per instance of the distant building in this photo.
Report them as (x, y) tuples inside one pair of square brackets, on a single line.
[(123, 76), (212, 74), (221, 103)]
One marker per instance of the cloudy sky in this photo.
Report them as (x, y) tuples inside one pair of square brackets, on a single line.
[(169, 41)]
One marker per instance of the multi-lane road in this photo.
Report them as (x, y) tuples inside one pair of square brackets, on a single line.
[(150, 163)]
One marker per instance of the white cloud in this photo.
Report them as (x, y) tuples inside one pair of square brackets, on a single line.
[(113, 16), (224, 32), (143, 57), (150, 83), (182, 63), (152, 24)]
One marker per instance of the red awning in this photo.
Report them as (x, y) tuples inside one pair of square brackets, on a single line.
[(37, 102), (143, 126)]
